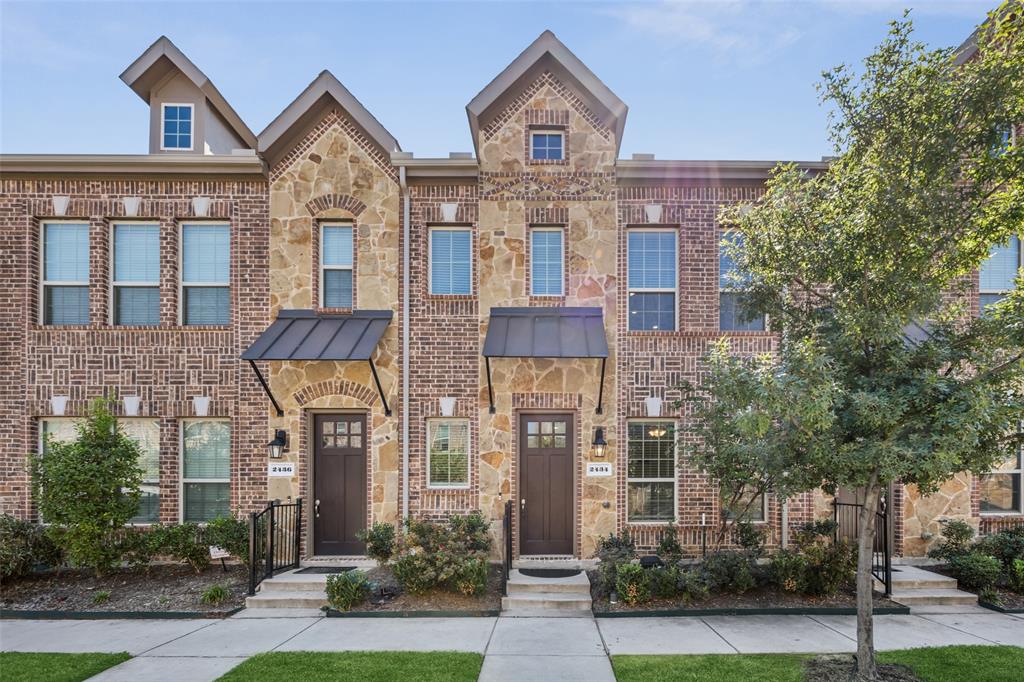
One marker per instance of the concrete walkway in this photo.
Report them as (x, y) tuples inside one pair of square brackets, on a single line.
[(559, 649)]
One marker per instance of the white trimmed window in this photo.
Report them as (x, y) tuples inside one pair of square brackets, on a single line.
[(999, 271), (547, 261), (146, 432), (451, 261), (176, 126), (731, 316), (65, 273), (547, 145), (1001, 489), (205, 469), (205, 274), (336, 257), (448, 453), (652, 275), (651, 471), (750, 506), (136, 270)]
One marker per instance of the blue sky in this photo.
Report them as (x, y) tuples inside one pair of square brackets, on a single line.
[(732, 79)]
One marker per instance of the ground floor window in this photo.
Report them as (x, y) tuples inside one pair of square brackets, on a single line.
[(146, 432), (749, 505), (651, 471), (206, 469), (448, 453), (1001, 489)]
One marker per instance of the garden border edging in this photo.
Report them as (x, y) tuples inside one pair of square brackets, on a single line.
[(767, 611), (997, 608), (18, 614), (483, 613)]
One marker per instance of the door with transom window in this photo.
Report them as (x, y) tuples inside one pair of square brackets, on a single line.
[(545, 484), (339, 483)]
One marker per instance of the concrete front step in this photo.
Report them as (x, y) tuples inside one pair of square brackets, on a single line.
[(938, 582), (288, 599), (518, 583), (547, 600), (920, 597)]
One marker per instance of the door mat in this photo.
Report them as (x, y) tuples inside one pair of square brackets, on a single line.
[(549, 572), (325, 570)]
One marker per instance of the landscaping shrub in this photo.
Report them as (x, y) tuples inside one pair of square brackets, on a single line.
[(89, 487), (976, 571), (22, 546), (345, 590), (215, 595), (669, 550), (633, 583), (450, 555), (613, 552), (814, 531), (664, 581), (829, 566), (229, 534), (956, 540), (728, 572), (1016, 576), (1006, 545), (750, 538), (380, 541), (691, 585), (184, 542), (787, 570), (136, 547)]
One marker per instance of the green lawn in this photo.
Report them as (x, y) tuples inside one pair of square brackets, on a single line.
[(939, 664), (361, 666), (19, 667)]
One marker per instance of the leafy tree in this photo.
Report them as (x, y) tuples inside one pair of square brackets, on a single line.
[(88, 488), (882, 375)]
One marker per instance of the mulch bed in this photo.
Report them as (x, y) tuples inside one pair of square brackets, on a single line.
[(164, 588), (1008, 599), (762, 597), (842, 668), (394, 599)]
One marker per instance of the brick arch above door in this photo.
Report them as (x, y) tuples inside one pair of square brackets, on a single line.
[(335, 387)]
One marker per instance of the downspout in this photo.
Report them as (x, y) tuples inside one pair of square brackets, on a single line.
[(405, 341)]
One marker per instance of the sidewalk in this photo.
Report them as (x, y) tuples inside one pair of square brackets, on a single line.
[(562, 649)]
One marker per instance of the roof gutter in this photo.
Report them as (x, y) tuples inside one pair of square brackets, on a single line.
[(657, 170), (403, 185), (162, 164)]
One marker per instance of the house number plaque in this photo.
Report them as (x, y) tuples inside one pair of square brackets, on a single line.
[(599, 469), (281, 469)]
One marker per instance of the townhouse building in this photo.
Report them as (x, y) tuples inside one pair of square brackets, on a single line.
[(416, 336)]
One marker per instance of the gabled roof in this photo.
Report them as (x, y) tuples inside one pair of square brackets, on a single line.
[(159, 60), (549, 52), (325, 88)]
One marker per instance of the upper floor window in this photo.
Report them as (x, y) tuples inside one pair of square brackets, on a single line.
[(1001, 489), (731, 316), (448, 453), (205, 274), (136, 281), (547, 257), (65, 273), (651, 474), (205, 469), (336, 266), (176, 126), (547, 145), (451, 263), (652, 265), (999, 271)]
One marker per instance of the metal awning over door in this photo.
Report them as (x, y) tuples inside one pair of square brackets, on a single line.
[(308, 335), (546, 332)]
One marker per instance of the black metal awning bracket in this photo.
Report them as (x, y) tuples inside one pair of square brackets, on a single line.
[(266, 388), (600, 390), (490, 387), (380, 389)]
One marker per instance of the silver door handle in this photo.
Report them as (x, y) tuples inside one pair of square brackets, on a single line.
[(316, 508), (522, 504)]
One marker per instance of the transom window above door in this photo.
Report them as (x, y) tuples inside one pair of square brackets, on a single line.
[(336, 258), (341, 433), (546, 433)]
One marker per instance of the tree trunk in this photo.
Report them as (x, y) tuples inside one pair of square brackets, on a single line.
[(866, 669)]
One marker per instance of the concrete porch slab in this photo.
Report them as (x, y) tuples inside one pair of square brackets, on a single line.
[(236, 637), (778, 634), (104, 636), (507, 668), (394, 634), (168, 669), (558, 636), (661, 636)]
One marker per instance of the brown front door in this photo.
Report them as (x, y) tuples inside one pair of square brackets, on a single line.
[(339, 483), (545, 484)]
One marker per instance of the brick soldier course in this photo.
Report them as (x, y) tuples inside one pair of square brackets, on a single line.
[(325, 163)]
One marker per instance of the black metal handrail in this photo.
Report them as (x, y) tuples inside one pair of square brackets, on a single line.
[(847, 518), (506, 560), (274, 537)]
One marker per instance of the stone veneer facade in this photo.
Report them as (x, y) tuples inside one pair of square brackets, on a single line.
[(334, 170)]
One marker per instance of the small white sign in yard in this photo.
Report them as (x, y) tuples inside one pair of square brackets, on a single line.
[(219, 552), (599, 469), (283, 469)]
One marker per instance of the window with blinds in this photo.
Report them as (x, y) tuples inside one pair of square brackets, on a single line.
[(205, 469), (546, 261), (336, 258), (448, 453), (65, 280), (731, 314), (136, 281), (205, 278), (652, 264), (451, 266), (651, 471), (146, 432), (999, 271)]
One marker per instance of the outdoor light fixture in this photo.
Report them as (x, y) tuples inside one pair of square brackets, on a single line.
[(276, 446), (599, 443), (657, 431)]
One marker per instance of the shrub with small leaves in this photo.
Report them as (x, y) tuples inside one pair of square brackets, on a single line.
[(215, 595), (787, 570), (229, 534), (450, 556), (1006, 545), (613, 552), (750, 537), (380, 541), (669, 550), (664, 581), (348, 589), (633, 584), (183, 542), (976, 571), (728, 572), (956, 540), (23, 545), (1016, 576), (691, 585)]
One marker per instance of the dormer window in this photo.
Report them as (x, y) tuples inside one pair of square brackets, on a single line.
[(547, 145), (177, 127)]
